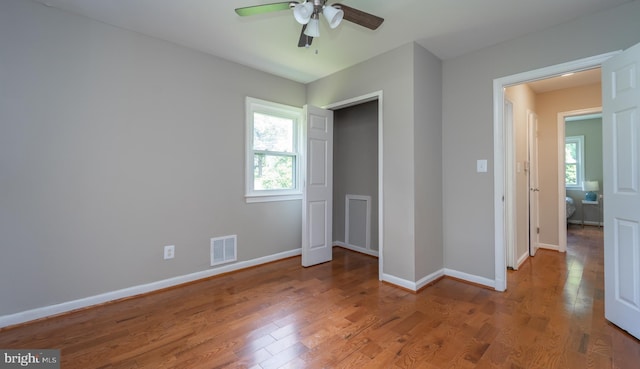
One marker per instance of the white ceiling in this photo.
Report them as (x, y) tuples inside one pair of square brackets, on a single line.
[(578, 79), (268, 42)]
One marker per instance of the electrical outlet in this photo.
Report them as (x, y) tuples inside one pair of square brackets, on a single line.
[(169, 252)]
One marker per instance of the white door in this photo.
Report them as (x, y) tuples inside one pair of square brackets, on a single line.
[(317, 203), (621, 163), (509, 229), (534, 191)]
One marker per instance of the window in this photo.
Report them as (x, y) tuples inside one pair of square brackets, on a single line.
[(574, 161), (273, 151)]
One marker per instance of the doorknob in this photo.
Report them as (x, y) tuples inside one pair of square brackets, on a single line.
[(535, 189)]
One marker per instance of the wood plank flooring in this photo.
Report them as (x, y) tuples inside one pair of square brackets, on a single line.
[(338, 315)]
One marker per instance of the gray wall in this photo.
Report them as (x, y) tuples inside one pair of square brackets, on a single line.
[(397, 85), (409, 201), (112, 145), (468, 121), (427, 137), (355, 168), (591, 129)]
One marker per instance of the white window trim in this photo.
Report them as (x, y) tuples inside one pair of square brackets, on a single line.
[(580, 167), (252, 106)]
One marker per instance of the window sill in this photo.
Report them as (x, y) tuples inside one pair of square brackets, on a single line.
[(271, 198)]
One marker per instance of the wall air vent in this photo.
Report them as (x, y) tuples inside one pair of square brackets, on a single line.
[(223, 249)]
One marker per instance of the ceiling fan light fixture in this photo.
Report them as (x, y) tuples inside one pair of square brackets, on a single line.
[(303, 12), (333, 15), (307, 13), (313, 27)]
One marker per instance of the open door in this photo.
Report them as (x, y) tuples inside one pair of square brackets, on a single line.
[(509, 230), (534, 191), (621, 159), (317, 203)]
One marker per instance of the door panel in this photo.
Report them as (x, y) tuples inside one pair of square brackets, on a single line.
[(317, 224), (317, 162), (317, 205), (625, 162), (621, 127), (627, 252)]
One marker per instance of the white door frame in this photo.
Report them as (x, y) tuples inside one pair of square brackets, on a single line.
[(503, 197), (533, 184), (562, 190), (355, 101)]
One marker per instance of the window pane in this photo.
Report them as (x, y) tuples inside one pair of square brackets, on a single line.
[(272, 133), (273, 172), (571, 152), (571, 174)]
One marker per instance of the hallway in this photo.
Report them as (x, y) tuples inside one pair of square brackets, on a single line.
[(563, 298)]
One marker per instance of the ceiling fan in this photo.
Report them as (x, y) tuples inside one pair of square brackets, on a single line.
[(308, 13)]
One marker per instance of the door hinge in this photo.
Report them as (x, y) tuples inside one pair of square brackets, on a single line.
[(538, 230)]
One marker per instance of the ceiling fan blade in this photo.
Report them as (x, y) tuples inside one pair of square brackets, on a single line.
[(265, 8), (305, 41), (362, 18)]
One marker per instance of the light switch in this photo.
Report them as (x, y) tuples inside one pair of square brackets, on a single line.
[(482, 166)]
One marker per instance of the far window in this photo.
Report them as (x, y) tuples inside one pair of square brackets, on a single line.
[(273, 154), (574, 161)]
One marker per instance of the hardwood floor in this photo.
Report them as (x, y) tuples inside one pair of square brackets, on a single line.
[(338, 315)]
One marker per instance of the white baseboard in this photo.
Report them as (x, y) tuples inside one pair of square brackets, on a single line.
[(586, 222), (356, 248), (412, 286), (415, 286), (548, 246), (429, 279), (470, 278), (522, 259), (42, 312)]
